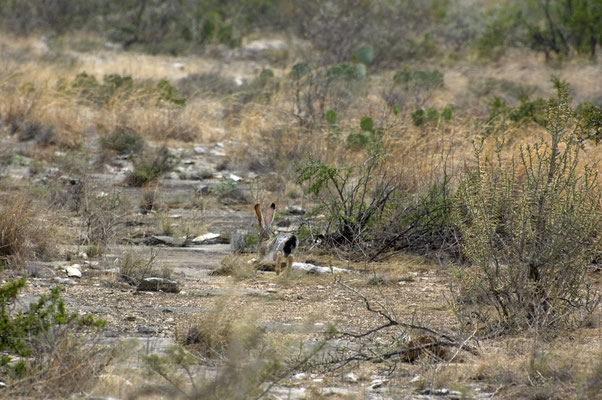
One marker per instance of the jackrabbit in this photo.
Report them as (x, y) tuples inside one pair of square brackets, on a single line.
[(274, 250)]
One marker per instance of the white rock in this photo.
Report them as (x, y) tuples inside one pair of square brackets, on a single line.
[(207, 237), (74, 271), (217, 153), (235, 178), (318, 270), (377, 383), (63, 281), (200, 150), (351, 377)]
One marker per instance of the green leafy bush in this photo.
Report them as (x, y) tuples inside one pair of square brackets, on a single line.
[(318, 90), (30, 333), (529, 229), (150, 167), (414, 87), (123, 141), (115, 87), (431, 116)]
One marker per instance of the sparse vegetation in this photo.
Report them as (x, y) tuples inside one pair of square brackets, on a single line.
[(150, 166), (45, 343), (417, 147), (530, 228), (24, 235)]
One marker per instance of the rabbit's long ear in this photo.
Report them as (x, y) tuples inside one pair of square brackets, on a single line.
[(269, 215), (258, 212)]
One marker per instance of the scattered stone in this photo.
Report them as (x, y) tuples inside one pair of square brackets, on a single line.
[(179, 66), (160, 240), (145, 330), (318, 270), (63, 281), (295, 210), (74, 271), (235, 178), (113, 46), (351, 377), (204, 190), (440, 392), (200, 150), (218, 153), (377, 383), (154, 284), (172, 175), (210, 238)]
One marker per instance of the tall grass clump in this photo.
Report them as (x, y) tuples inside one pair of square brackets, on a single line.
[(530, 227), (24, 234)]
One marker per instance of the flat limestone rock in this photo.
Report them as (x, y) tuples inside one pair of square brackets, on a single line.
[(73, 271), (210, 238), (154, 284), (318, 270)]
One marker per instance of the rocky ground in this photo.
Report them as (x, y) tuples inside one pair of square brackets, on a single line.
[(293, 309)]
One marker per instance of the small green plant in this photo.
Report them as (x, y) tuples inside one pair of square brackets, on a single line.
[(150, 167), (318, 90), (431, 116), (133, 268), (418, 84), (123, 141), (26, 333), (350, 197), (226, 188), (368, 138), (530, 235), (116, 87), (252, 239)]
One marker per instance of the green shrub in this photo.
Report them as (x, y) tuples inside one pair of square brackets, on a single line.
[(351, 198), (150, 167), (29, 333), (115, 87), (590, 120), (133, 269), (413, 87), (123, 141), (368, 138), (318, 90), (529, 229)]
